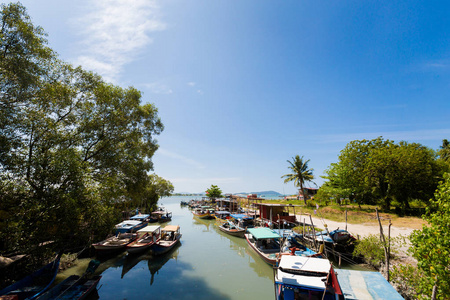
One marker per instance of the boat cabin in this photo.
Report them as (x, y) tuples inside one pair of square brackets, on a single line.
[(299, 277), (228, 204), (265, 239), (153, 230), (275, 212), (243, 220), (170, 232)]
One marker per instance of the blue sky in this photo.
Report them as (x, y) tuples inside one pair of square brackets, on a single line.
[(244, 86)]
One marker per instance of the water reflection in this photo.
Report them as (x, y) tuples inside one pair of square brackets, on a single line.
[(207, 223), (158, 262), (261, 268), (209, 265)]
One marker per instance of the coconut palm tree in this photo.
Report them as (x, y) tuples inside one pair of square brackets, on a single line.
[(301, 173)]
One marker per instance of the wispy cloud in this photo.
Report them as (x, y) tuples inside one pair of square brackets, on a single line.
[(193, 84), (435, 65), (410, 136), (159, 88), (181, 158), (115, 32)]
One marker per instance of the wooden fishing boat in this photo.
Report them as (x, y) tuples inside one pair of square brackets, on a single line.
[(221, 216), (204, 212), (293, 246), (73, 287), (243, 220), (114, 244), (33, 285), (129, 226), (160, 216), (299, 277), (141, 217), (147, 237), (170, 236), (265, 242), (230, 228)]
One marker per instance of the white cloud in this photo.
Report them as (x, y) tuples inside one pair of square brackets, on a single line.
[(191, 83), (200, 92), (115, 32), (159, 88), (439, 64), (181, 158)]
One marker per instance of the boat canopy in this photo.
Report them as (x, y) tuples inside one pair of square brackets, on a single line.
[(241, 216), (173, 228), (263, 233), (303, 271), (139, 217), (128, 223), (222, 212), (151, 228)]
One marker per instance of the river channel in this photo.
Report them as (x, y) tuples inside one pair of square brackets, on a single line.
[(208, 264)]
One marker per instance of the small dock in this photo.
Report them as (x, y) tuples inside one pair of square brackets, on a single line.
[(365, 285)]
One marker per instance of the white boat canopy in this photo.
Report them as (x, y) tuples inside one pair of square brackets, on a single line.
[(151, 228)]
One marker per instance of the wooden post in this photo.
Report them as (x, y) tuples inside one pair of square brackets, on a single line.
[(433, 295), (345, 219), (295, 217), (389, 251), (383, 240), (314, 232), (303, 227)]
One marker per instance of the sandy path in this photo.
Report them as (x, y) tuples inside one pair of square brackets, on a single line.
[(361, 230)]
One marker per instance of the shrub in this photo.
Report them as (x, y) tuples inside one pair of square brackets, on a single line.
[(371, 249)]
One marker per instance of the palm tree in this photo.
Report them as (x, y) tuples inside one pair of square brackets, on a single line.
[(301, 173), (444, 153)]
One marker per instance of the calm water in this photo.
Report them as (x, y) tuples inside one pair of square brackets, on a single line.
[(207, 265)]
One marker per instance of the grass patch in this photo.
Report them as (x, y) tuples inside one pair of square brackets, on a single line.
[(355, 215)]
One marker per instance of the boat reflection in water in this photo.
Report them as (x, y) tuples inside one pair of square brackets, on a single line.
[(206, 222), (155, 262)]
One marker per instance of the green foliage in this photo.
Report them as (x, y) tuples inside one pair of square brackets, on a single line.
[(72, 147), (371, 249), (379, 171), (431, 245), (408, 282), (328, 193), (214, 192), (300, 174)]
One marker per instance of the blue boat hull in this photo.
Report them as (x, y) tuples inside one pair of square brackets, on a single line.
[(35, 284)]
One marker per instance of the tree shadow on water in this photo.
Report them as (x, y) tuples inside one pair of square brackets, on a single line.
[(155, 277)]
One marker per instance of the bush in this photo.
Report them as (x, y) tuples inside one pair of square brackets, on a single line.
[(371, 249), (406, 279)]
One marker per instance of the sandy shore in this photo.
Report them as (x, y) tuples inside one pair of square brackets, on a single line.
[(360, 230)]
